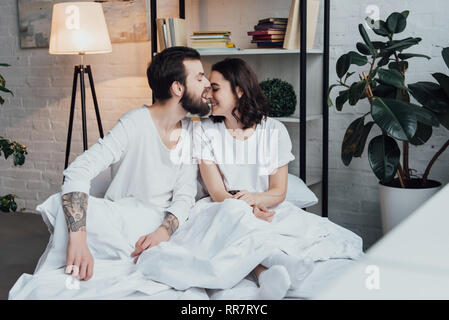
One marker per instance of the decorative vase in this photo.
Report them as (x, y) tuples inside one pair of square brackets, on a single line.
[(397, 203)]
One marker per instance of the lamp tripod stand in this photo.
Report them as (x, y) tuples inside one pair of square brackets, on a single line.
[(80, 70)]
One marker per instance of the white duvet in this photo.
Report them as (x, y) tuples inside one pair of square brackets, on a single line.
[(215, 249)]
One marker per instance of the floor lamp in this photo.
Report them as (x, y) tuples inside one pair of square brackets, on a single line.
[(79, 28)]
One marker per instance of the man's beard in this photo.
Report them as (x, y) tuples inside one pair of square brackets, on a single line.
[(194, 106)]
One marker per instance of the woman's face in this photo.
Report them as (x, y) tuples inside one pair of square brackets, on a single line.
[(222, 98)]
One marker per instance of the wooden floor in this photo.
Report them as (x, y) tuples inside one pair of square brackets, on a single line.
[(23, 239)]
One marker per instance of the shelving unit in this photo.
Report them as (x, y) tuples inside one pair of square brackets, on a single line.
[(307, 122)]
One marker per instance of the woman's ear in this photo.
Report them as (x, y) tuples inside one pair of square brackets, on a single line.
[(177, 89), (239, 92)]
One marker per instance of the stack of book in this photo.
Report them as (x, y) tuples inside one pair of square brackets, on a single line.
[(269, 33), (211, 40), (171, 32)]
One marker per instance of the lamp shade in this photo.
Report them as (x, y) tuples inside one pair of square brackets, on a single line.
[(79, 28)]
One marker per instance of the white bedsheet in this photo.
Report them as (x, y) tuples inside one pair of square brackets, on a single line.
[(194, 261)]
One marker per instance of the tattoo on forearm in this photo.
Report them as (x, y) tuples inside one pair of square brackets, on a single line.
[(170, 223), (74, 205)]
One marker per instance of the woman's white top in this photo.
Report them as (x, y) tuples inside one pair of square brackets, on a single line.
[(244, 164), (143, 167)]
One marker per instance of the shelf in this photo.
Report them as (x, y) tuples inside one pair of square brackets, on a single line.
[(222, 52), (296, 119), (311, 181)]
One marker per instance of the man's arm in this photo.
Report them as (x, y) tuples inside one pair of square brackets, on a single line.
[(74, 205)]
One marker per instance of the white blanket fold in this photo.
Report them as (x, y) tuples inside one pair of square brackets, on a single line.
[(216, 248)]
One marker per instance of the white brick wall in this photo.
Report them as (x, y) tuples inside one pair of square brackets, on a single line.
[(37, 115)]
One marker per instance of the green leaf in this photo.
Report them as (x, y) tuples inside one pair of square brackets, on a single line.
[(329, 101), (405, 56), (383, 62), (430, 95), (343, 96), (348, 75), (443, 118), (2, 101), (383, 157), (399, 45), (423, 115), (398, 67), (343, 64), (356, 91), (4, 65), (19, 159), (363, 137), (6, 90), (357, 59), (396, 22), (351, 140), (392, 77), (395, 118), (382, 30), (422, 135), (379, 45), (384, 91), (405, 13), (443, 80), (363, 48), (445, 54), (366, 39)]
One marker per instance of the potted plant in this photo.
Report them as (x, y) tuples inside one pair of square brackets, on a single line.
[(281, 96), (10, 148), (400, 121)]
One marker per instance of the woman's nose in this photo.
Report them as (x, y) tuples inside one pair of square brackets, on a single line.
[(209, 93)]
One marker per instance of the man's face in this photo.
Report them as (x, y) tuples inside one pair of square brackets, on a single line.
[(197, 85)]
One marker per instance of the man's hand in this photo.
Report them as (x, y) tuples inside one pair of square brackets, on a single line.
[(150, 240), (79, 261), (261, 212), (246, 196)]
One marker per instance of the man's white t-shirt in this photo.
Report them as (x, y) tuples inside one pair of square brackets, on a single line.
[(244, 164), (143, 167)]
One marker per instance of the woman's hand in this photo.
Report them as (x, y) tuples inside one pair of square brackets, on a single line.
[(246, 196), (149, 241), (261, 212)]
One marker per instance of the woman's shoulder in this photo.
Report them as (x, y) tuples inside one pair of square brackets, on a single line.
[(271, 123)]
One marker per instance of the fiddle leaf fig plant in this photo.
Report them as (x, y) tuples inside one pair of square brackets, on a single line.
[(10, 148), (384, 85)]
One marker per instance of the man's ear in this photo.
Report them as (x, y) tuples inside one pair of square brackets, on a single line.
[(239, 92), (177, 89)]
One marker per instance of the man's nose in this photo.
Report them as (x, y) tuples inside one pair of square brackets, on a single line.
[(209, 93)]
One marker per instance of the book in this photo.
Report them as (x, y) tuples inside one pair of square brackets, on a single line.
[(210, 40), (160, 34), (171, 26), (180, 32), (274, 20), (293, 32), (199, 33), (268, 43), (269, 26), (167, 42), (210, 45), (265, 32), (209, 37), (269, 37)]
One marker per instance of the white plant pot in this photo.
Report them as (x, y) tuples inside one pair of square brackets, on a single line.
[(396, 204)]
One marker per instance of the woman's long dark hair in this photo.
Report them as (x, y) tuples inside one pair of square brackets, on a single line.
[(252, 106)]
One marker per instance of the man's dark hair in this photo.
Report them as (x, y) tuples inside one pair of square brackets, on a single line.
[(167, 67), (252, 106)]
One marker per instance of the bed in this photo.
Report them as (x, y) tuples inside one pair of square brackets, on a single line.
[(323, 274)]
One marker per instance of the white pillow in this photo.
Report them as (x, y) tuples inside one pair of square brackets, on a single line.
[(299, 194)]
